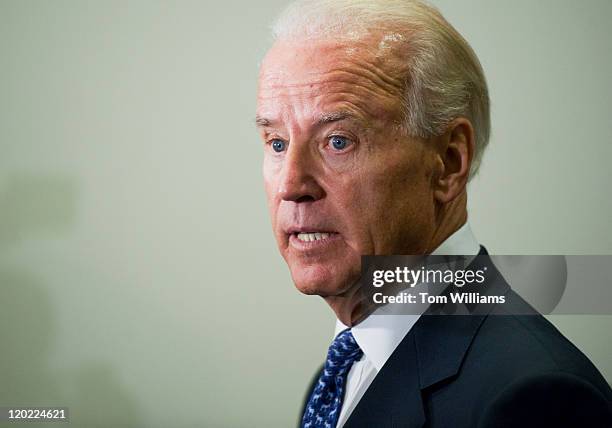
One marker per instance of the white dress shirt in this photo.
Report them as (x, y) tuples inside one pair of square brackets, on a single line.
[(382, 331)]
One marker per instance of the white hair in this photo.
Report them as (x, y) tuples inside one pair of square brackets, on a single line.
[(444, 80)]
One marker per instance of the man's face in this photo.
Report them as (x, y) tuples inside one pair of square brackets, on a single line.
[(341, 176)]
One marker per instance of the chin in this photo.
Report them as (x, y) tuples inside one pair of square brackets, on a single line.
[(321, 281)]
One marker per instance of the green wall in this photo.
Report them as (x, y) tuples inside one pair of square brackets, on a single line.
[(139, 282)]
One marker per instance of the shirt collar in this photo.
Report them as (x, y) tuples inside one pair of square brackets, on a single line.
[(460, 243), (379, 334)]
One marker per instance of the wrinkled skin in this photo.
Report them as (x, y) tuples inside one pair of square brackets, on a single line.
[(337, 160)]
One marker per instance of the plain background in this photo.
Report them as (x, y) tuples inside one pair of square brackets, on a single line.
[(139, 281)]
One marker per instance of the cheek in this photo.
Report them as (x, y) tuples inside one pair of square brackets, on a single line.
[(271, 189), (398, 200), (270, 171)]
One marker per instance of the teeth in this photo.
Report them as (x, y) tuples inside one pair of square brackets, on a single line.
[(315, 236)]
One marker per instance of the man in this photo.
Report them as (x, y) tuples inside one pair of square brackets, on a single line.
[(374, 115)]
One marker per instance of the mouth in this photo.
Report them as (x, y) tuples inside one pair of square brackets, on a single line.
[(311, 238)]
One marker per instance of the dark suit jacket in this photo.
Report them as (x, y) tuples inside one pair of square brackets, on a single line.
[(489, 369)]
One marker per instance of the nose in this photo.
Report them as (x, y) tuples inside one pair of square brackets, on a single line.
[(298, 181)]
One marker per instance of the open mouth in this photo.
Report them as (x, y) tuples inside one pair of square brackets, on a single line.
[(312, 236), (306, 237)]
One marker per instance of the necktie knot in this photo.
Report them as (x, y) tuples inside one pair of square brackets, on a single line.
[(342, 353), (325, 401)]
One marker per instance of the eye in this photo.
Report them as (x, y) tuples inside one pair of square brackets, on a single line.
[(339, 143), (278, 145)]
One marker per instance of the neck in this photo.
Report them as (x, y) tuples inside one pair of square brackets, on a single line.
[(352, 306), (450, 217)]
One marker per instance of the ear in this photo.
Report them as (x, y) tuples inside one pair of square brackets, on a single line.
[(456, 152)]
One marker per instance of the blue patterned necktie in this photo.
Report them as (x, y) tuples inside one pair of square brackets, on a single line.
[(325, 402)]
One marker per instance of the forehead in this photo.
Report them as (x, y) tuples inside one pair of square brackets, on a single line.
[(302, 79)]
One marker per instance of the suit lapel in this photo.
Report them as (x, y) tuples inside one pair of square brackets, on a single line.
[(431, 352), (442, 340), (394, 397)]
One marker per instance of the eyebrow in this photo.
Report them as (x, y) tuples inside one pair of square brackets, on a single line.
[(334, 117), (323, 119), (262, 122)]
